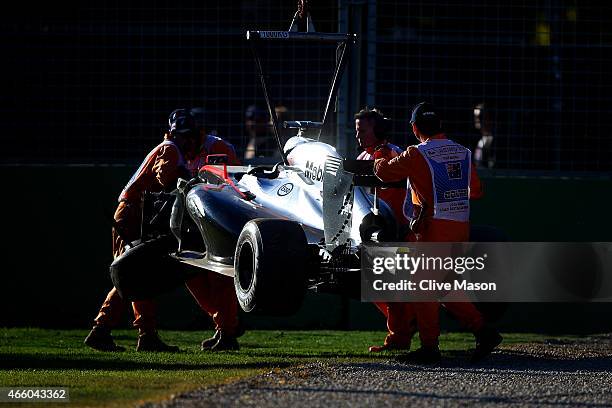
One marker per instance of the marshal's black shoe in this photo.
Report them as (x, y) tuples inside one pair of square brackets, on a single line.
[(207, 344), (100, 338), (486, 341), (225, 342), (152, 342), (421, 356)]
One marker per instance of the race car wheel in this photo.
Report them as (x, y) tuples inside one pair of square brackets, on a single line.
[(147, 270), (270, 263)]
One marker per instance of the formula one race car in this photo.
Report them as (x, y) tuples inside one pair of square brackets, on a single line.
[(277, 230)]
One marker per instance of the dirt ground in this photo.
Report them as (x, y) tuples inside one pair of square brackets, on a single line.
[(552, 373)]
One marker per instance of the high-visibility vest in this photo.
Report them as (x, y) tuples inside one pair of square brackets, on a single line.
[(450, 166)]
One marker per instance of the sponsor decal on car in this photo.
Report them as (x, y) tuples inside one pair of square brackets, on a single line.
[(314, 171), (285, 189)]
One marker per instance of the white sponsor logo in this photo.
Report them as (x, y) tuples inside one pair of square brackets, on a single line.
[(454, 194), (274, 34), (314, 171)]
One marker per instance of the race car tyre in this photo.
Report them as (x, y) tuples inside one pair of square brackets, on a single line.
[(270, 261), (146, 270)]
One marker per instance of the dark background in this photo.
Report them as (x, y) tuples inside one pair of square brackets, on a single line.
[(86, 90), (94, 82)]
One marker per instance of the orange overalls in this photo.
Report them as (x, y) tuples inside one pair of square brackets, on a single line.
[(400, 315), (212, 145), (158, 171), (413, 166), (215, 292)]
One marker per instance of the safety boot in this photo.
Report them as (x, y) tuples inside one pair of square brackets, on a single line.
[(150, 341), (487, 340), (100, 338), (389, 347), (207, 344), (225, 342), (424, 355)]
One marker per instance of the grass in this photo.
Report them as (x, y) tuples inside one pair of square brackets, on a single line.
[(38, 357)]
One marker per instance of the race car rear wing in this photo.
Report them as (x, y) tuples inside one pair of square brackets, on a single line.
[(339, 180)]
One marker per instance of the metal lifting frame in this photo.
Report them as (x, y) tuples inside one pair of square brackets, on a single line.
[(342, 40)]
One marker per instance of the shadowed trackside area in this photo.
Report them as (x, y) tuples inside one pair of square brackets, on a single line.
[(294, 367), (575, 372)]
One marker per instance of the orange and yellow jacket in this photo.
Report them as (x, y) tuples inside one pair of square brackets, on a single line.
[(213, 145), (413, 165), (394, 197), (158, 171)]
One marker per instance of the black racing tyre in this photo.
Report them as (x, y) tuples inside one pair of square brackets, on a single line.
[(270, 261), (147, 270)]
